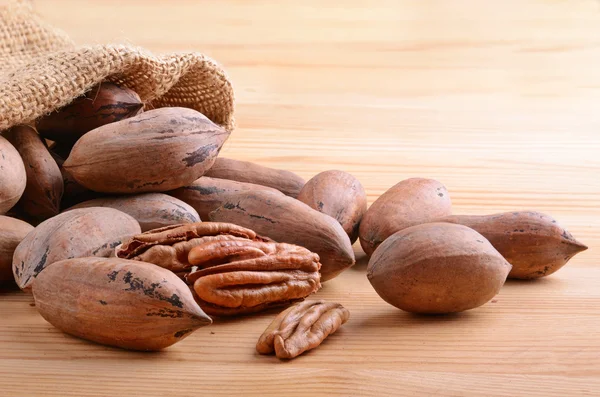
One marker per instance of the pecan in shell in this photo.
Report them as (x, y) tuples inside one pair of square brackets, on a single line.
[(301, 327)]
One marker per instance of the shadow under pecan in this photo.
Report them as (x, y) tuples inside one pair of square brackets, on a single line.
[(301, 327), (229, 268)]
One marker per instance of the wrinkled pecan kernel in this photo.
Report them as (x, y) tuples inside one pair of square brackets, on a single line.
[(245, 277), (301, 327), (169, 246), (229, 268)]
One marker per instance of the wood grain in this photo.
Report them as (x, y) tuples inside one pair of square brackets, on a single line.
[(496, 99)]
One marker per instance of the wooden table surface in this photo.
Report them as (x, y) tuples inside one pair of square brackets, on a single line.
[(499, 100)]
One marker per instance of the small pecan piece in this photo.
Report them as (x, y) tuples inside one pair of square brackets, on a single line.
[(240, 277), (301, 327), (229, 268)]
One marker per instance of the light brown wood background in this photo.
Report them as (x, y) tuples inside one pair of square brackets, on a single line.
[(499, 100)]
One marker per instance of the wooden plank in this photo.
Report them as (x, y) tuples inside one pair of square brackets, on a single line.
[(498, 100)]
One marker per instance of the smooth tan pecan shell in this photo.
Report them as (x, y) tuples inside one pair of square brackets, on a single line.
[(169, 246), (241, 277), (301, 327)]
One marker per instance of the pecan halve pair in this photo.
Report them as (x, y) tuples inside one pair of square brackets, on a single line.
[(301, 327), (230, 269)]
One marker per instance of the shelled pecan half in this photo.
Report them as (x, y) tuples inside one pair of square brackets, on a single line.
[(240, 277), (229, 268), (302, 327), (169, 246)]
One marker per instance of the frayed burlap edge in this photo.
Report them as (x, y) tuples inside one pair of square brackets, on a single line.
[(46, 72)]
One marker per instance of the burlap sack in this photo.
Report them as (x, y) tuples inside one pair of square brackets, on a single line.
[(42, 70)]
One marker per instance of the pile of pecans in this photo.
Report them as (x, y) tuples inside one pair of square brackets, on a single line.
[(114, 212)]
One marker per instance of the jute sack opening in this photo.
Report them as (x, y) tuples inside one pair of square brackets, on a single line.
[(41, 70)]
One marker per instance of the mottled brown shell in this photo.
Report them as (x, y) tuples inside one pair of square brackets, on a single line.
[(408, 203), (12, 177), (437, 268), (156, 151), (339, 195), (12, 232), (301, 327), (286, 182), (207, 194), (117, 302), (72, 234), (44, 187), (288, 220), (151, 210), (533, 243)]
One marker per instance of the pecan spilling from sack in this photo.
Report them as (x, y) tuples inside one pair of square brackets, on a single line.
[(302, 327), (230, 269)]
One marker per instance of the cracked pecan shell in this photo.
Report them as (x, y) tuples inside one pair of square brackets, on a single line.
[(302, 327), (230, 269)]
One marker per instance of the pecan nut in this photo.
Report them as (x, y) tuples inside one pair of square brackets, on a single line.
[(169, 246), (105, 103), (128, 304), (156, 151), (240, 277), (229, 268), (301, 327)]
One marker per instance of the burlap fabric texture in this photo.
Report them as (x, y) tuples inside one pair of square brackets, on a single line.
[(41, 70)]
